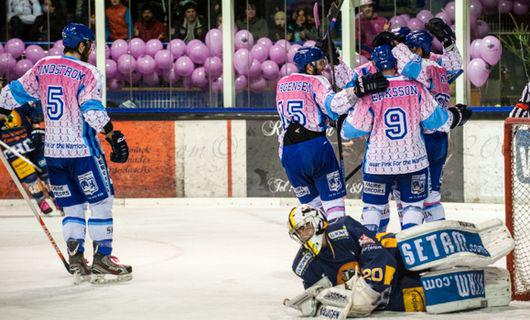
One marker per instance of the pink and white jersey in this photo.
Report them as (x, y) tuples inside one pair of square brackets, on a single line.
[(310, 101), (393, 120), (70, 92), (345, 77)]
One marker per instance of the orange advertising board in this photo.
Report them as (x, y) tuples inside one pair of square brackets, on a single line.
[(150, 170)]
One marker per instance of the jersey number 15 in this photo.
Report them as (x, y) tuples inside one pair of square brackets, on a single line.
[(294, 111), (54, 102)]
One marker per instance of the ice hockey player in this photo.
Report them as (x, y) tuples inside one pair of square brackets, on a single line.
[(21, 131), (521, 108), (395, 154), (349, 271), (306, 103), (70, 90)]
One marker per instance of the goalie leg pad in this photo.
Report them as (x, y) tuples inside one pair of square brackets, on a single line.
[(445, 244), (306, 302)]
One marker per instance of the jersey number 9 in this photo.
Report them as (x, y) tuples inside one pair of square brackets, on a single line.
[(396, 123), (54, 102)]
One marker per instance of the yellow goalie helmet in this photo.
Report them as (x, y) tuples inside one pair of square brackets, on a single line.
[(13, 120), (307, 226)]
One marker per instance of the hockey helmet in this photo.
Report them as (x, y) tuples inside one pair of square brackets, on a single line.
[(75, 33), (307, 55), (307, 226), (382, 58), (419, 39), (401, 33), (13, 120)]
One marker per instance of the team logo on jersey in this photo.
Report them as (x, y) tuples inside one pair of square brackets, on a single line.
[(417, 184), (88, 183), (301, 191), (378, 189), (61, 191), (334, 182), (303, 264), (342, 233)]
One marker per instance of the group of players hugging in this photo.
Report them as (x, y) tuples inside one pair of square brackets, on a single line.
[(399, 101)]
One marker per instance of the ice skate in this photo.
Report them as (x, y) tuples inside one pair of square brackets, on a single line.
[(78, 264), (108, 269), (45, 207)]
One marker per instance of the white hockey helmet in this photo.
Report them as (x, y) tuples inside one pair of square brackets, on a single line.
[(307, 226)]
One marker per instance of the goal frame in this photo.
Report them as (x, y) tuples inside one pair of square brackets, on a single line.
[(508, 183)]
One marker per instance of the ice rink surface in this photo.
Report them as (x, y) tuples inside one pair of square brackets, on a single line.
[(191, 258)]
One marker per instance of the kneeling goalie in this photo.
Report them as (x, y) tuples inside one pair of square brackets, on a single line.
[(441, 267)]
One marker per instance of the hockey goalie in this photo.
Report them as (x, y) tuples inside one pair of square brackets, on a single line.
[(439, 267)]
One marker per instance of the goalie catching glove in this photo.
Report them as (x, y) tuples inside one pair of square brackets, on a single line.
[(120, 150)]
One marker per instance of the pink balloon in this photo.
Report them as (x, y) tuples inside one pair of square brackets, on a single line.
[(186, 82), (449, 9), (270, 70), (242, 61), (309, 43), (153, 46), (1, 48), (481, 30), (118, 48), (197, 51), (7, 63), (359, 60), (424, 16), (137, 47), (283, 43), (278, 54), (55, 52), (214, 41), (258, 84), (217, 85), (184, 66), (265, 42), (111, 68), (255, 69), (243, 39), (92, 58), (107, 52), (115, 84), (478, 72), (241, 83), (474, 48), (163, 59), (406, 17), (490, 50), (472, 22), (177, 47), (15, 47), (259, 52), (59, 44), (475, 8), (505, 6), (151, 79), (520, 8), (145, 64), (416, 24), (213, 66), (170, 76), (442, 15), (292, 52), (132, 77), (126, 64), (34, 53), (490, 3), (22, 66), (287, 69), (199, 78), (398, 22)]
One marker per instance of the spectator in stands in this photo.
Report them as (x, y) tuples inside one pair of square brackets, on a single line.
[(119, 23), (254, 24), (368, 24), (21, 15), (191, 26), (149, 27), (219, 21), (300, 29), (279, 30), (50, 24)]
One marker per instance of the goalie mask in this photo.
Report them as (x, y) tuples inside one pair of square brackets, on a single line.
[(307, 226), (13, 120)]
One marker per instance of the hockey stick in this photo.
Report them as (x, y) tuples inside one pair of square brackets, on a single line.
[(353, 172), (317, 19), (16, 153), (34, 210)]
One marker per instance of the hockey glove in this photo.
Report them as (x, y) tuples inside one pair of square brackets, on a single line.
[(120, 150), (460, 115), (384, 37), (37, 137), (371, 83), (441, 31), (334, 56), (520, 110)]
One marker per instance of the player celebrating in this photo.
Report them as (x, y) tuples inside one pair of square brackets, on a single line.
[(70, 89), (305, 102), (395, 153), (521, 108)]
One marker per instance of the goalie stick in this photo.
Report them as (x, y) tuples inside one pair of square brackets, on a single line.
[(34, 210), (16, 153)]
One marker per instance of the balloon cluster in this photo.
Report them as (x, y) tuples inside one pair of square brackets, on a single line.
[(484, 54)]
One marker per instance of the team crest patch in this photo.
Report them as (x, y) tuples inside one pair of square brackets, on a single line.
[(300, 191), (338, 234), (334, 183), (61, 191), (378, 189), (303, 264), (417, 184), (88, 183)]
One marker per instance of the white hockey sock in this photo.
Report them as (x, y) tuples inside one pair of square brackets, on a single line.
[(371, 217), (74, 224), (412, 214), (316, 203), (432, 208), (334, 208)]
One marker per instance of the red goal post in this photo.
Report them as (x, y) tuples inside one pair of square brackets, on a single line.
[(516, 151)]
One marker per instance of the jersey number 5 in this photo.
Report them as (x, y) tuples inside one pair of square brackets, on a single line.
[(396, 123), (54, 102)]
